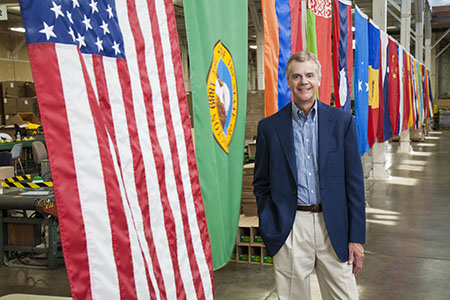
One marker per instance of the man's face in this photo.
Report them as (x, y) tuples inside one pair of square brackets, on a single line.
[(303, 81)]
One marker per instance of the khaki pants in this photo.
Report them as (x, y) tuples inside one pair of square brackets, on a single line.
[(306, 249)]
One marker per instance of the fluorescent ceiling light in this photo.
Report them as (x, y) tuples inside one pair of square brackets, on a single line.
[(17, 29)]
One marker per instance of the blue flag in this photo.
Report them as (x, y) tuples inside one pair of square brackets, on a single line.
[(361, 80), (387, 127)]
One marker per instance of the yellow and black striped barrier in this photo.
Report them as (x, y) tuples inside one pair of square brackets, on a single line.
[(24, 182), (18, 178)]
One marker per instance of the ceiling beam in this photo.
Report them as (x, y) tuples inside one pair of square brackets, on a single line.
[(442, 51), (395, 5), (440, 39)]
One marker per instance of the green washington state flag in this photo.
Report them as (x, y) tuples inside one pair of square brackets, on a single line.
[(217, 39)]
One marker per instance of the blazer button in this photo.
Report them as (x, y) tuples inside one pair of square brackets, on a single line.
[(294, 193)]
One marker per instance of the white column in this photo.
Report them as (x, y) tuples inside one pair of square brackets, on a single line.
[(260, 60), (379, 16), (405, 33), (434, 70), (419, 49), (304, 24), (419, 30), (428, 55)]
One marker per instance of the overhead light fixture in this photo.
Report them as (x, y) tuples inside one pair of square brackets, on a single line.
[(253, 47), (17, 29)]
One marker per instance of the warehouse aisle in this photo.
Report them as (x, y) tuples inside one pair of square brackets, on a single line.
[(408, 233), (408, 238)]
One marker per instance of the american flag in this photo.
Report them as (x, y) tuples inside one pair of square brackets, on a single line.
[(113, 105)]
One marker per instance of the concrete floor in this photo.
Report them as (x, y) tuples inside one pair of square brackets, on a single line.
[(408, 238)]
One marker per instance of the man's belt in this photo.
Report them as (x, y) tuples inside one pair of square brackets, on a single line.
[(315, 208)]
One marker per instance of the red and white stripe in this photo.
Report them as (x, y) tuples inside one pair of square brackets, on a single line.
[(118, 134)]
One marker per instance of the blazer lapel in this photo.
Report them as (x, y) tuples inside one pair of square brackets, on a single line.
[(283, 127), (326, 122)]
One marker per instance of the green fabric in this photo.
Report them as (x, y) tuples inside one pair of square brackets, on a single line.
[(311, 32), (207, 22), (311, 39)]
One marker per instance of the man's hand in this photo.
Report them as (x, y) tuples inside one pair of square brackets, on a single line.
[(356, 256)]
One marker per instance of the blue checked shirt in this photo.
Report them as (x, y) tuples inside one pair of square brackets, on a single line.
[(306, 147)]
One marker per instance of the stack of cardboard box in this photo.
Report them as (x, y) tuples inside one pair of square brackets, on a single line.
[(18, 97), (248, 200)]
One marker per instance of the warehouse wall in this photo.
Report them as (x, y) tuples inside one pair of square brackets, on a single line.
[(17, 67), (444, 74), (255, 112)]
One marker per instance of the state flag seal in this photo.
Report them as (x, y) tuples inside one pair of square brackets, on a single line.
[(222, 95)]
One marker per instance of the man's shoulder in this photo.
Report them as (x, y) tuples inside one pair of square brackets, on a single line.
[(335, 112)]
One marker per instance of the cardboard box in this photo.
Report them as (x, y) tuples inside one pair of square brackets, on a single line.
[(26, 104), (6, 172), (30, 90), (25, 235), (9, 130), (20, 119), (14, 89), (9, 106)]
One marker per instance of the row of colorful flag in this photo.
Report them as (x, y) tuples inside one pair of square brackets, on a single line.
[(391, 88)]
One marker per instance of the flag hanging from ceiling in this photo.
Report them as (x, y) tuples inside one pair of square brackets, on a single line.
[(384, 124), (419, 95), (428, 105), (401, 106), (282, 38), (217, 38), (429, 95), (406, 91), (409, 90), (319, 42), (394, 86), (416, 94), (361, 80), (374, 81), (342, 53), (115, 115)]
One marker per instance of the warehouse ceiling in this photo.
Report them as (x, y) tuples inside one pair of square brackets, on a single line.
[(440, 19)]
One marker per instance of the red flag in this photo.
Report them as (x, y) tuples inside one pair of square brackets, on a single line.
[(406, 91), (296, 26), (393, 85), (374, 81), (115, 115), (319, 42), (342, 53)]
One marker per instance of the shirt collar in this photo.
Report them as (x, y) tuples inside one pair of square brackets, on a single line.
[(298, 112)]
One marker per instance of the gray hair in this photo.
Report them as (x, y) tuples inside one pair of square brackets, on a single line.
[(303, 56)]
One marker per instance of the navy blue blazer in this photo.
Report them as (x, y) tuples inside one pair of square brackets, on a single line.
[(340, 177)]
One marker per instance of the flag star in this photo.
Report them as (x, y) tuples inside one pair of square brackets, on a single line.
[(367, 86), (99, 44), (57, 10), (110, 12), (72, 34), (75, 3), (359, 85), (48, 31), (80, 40), (116, 48), (69, 16), (104, 26), (93, 5), (87, 22)]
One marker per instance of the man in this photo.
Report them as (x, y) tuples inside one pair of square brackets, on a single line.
[(309, 187)]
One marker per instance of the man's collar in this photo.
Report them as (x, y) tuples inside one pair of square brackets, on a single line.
[(296, 111)]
